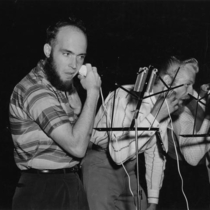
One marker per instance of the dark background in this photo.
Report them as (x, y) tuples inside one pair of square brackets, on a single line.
[(123, 36)]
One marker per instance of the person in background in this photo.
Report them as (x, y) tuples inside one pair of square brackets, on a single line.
[(109, 168), (50, 127), (186, 154)]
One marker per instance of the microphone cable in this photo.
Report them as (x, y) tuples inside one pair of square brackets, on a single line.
[(177, 158), (108, 122)]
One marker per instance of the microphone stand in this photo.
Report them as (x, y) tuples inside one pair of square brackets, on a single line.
[(134, 122), (137, 167), (140, 97), (136, 113), (139, 88)]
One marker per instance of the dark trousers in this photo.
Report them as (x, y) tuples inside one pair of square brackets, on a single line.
[(107, 184), (196, 187), (49, 192)]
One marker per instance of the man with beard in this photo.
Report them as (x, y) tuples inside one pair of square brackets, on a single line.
[(49, 126)]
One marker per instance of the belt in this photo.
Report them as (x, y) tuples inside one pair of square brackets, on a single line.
[(52, 171), (99, 148)]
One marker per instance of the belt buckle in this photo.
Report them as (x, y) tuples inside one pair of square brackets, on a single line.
[(45, 171), (75, 168)]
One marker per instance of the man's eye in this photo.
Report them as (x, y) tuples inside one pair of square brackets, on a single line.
[(81, 57), (66, 54)]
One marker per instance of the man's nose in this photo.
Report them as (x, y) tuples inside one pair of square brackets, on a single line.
[(191, 89), (73, 61)]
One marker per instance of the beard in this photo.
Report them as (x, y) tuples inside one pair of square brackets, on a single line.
[(54, 78)]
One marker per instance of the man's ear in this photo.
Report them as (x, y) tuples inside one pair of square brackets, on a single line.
[(167, 79), (47, 50)]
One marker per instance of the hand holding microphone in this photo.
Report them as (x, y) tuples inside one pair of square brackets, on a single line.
[(89, 77), (162, 105), (205, 92), (83, 71)]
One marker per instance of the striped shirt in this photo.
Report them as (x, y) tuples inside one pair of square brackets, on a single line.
[(121, 144), (36, 108)]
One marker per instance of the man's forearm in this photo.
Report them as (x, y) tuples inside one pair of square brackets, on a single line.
[(84, 124)]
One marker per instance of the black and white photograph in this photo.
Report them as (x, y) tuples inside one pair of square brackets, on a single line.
[(105, 105)]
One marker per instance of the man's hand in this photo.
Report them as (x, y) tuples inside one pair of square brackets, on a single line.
[(163, 106), (152, 206), (205, 92), (207, 111), (92, 80), (204, 89)]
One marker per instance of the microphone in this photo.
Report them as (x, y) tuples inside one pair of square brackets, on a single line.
[(151, 80), (139, 88), (141, 79), (206, 90), (206, 87), (83, 71)]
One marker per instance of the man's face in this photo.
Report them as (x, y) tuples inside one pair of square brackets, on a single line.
[(66, 57), (185, 76)]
